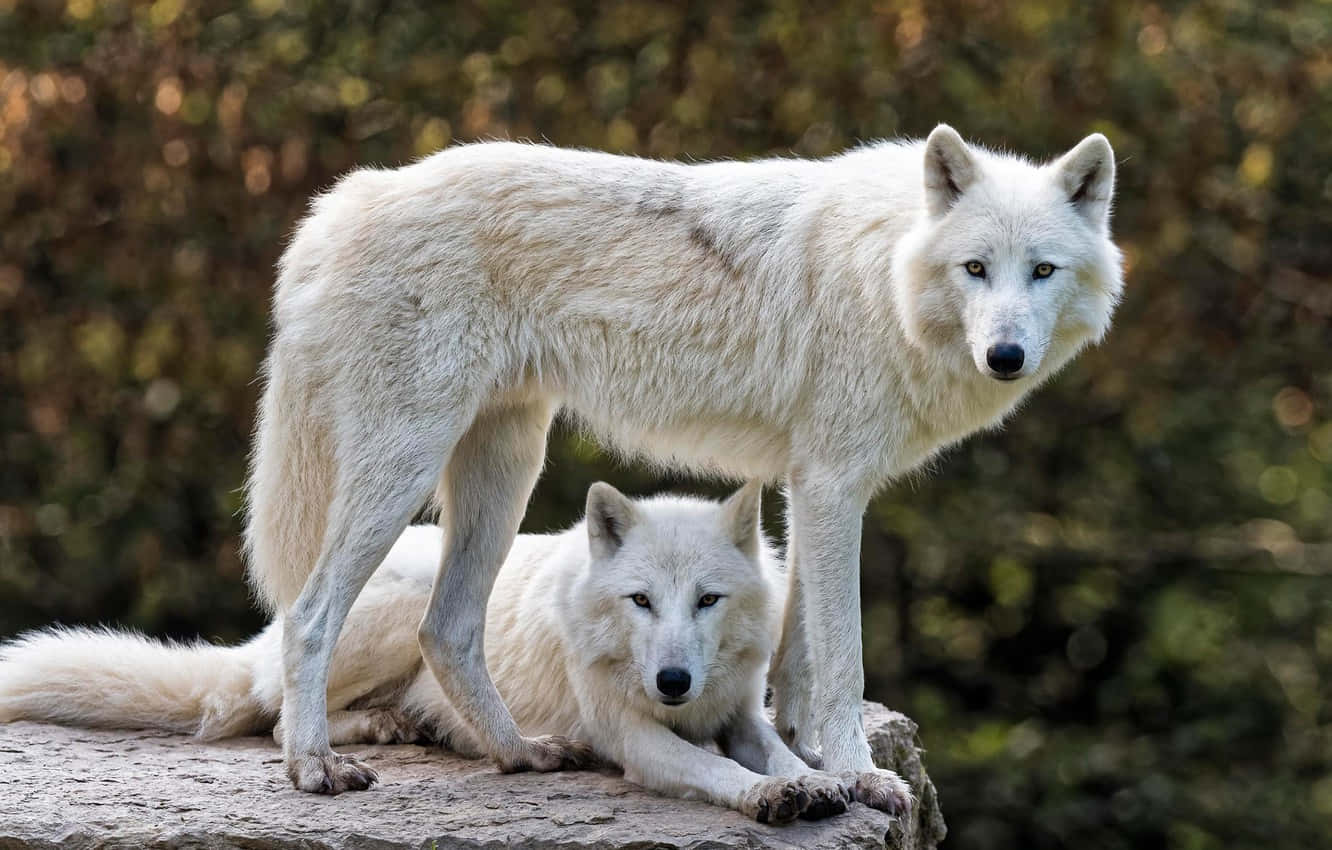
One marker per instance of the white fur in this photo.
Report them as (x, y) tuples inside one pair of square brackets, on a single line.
[(570, 652), (806, 320)]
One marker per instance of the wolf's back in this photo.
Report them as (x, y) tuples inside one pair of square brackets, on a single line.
[(105, 678)]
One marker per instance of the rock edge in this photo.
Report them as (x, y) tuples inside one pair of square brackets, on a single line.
[(79, 788)]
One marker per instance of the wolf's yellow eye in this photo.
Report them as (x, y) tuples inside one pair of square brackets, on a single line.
[(1042, 271), (707, 600), (641, 600), (975, 268)]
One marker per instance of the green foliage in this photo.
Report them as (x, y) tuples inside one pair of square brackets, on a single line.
[(1112, 619)]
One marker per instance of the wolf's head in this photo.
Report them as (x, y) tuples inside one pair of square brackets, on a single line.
[(1011, 260), (677, 599)]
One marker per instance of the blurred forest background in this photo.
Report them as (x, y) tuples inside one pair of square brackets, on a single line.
[(1112, 620)]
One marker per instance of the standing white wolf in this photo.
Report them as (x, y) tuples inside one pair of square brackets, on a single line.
[(832, 322), (645, 632)]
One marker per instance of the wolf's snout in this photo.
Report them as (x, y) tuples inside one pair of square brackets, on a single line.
[(673, 682), (1005, 359)]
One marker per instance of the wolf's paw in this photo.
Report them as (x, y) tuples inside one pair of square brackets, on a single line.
[(387, 726), (775, 800), (330, 774), (829, 794), (547, 753), (882, 790)]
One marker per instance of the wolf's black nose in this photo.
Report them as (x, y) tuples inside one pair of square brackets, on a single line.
[(673, 681), (1005, 359)]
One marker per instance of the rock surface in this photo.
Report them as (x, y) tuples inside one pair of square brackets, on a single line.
[(79, 788)]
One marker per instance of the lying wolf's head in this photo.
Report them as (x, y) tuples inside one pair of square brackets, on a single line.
[(1012, 263), (678, 597)]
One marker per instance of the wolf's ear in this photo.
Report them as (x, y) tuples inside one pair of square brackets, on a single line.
[(740, 517), (610, 515), (949, 169), (1086, 174)]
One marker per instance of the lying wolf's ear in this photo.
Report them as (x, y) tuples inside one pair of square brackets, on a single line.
[(740, 517), (610, 515), (949, 169), (1087, 176)]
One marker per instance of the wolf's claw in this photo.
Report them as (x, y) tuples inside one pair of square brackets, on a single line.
[(775, 800), (330, 774), (829, 795)]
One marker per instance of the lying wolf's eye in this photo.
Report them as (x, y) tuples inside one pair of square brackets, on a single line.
[(1042, 271), (975, 268), (641, 600), (707, 600)]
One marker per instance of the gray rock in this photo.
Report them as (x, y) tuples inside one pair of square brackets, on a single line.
[(78, 788)]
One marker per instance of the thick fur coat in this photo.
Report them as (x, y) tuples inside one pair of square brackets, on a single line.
[(830, 323), (584, 630)]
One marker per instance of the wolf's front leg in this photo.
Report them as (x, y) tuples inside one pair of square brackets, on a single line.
[(792, 677), (753, 742), (825, 532), (656, 758)]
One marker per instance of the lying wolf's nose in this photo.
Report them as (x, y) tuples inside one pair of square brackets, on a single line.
[(673, 681), (1005, 358)]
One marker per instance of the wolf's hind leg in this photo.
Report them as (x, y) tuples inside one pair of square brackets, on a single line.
[(365, 726), (427, 707), (371, 726), (482, 496), (386, 470)]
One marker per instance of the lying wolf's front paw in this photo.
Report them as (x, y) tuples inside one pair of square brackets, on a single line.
[(775, 800), (330, 774), (549, 752), (829, 794), (882, 790)]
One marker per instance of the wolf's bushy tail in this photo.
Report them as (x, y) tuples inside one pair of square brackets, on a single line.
[(290, 486), (106, 678)]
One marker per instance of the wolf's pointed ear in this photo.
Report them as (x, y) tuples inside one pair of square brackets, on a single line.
[(1086, 174), (949, 169), (740, 517), (610, 515)]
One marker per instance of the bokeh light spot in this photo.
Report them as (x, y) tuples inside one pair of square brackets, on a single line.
[(434, 134), (1256, 165), (169, 96), (80, 10), (1279, 485), (353, 91), (1293, 407), (1152, 40), (1086, 648), (176, 153)]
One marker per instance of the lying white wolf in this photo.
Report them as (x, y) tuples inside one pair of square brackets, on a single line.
[(832, 322), (645, 632)]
